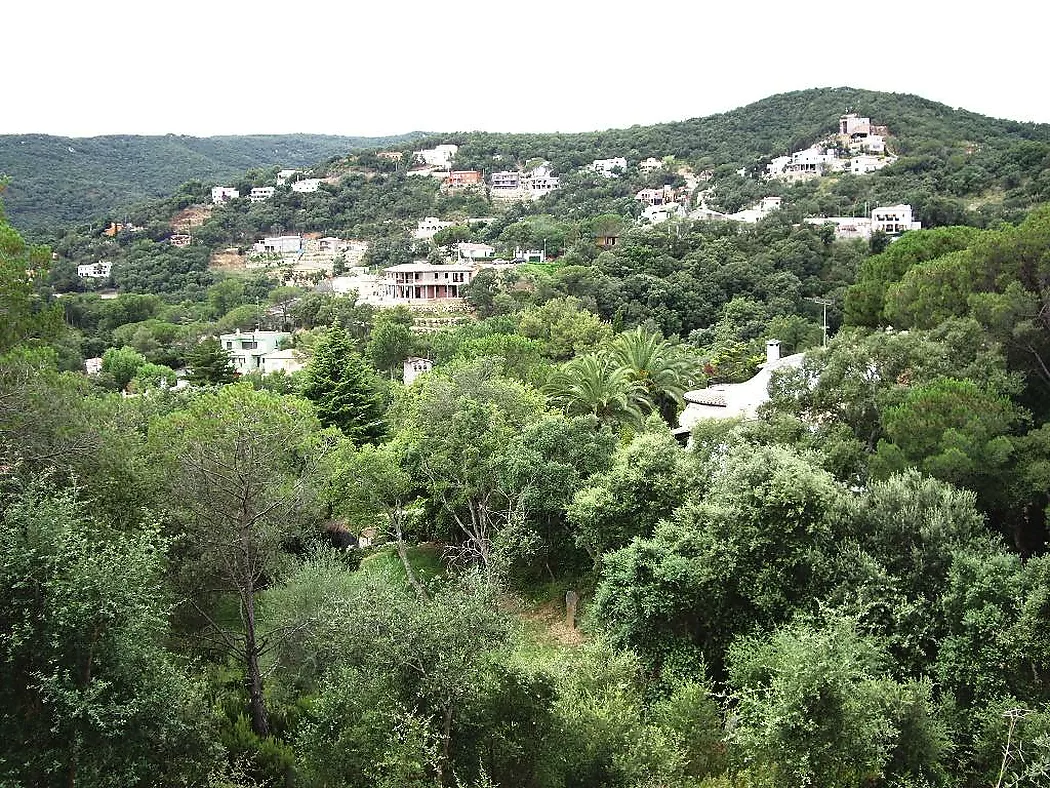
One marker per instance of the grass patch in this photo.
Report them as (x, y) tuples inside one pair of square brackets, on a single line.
[(427, 561)]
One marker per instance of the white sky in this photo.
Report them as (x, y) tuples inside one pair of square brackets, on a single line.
[(354, 68)]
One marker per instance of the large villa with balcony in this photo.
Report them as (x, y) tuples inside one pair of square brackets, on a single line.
[(422, 282)]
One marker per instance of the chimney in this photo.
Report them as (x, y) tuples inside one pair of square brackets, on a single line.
[(772, 351)]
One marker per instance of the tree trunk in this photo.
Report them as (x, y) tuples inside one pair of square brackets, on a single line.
[(446, 741), (253, 679), (395, 521)]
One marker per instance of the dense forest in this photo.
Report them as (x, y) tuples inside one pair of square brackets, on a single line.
[(510, 572), (57, 181)]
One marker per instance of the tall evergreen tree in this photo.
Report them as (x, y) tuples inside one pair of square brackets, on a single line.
[(344, 389), (209, 363)]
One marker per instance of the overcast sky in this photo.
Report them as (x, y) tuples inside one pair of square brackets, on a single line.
[(360, 68)]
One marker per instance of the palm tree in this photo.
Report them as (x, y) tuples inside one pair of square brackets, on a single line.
[(594, 384), (664, 370)]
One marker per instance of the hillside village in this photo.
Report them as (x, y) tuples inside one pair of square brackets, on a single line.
[(338, 265)]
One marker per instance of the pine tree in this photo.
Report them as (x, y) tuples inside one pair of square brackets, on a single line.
[(344, 389), (209, 363)]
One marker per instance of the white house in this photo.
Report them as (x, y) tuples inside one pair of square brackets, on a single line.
[(93, 366), (440, 156), (285, 175), (760, 210), (221, 194), (287, 361), (505, 179), (529, 255), (893, 220), (657, 214), (413, 283), (472, 251), (369, 288), (657, 196), (865, 163), (851, 126), (610, 168), (414, 367), (809, 163), (776, 167), (99, 270), (306, 185), (846, 227), (261, 193), (428, 227), (539, 181), (651, 164), (279, 244), (736, 400), (705, 214), (246, 349)]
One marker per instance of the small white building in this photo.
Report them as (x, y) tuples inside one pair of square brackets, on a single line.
[(539, 181), (529, 255), (221, 194), (757, 212), (472, 251), (287, 361), (93, 366), (705, 214), (651, 164), (428, 227), (369, 288), (246, 349), (279, 244), (776, 167), (610, 168), (306, 185), (662, 196), (736, 400), (847, 228), (100, 270), (893, 220), (285, 175), (414, 367), (863, 164), (658, 214), (809, 163), (440, 156), (261, 193), (852, 125)]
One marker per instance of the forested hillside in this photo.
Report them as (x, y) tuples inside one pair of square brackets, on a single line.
[(952, 161), (64, 180), (514, 570)]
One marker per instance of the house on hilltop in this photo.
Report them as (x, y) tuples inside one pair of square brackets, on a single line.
[(221, 194)]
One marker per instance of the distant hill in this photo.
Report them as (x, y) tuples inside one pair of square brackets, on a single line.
[(65, 180), (766, 128), (952, 162)]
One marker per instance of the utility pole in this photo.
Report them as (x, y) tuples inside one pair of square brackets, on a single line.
[(824, 302)]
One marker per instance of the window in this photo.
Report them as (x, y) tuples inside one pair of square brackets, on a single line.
[(248, 344)]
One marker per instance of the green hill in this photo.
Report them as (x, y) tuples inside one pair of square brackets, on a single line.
[(64, 180), (766, 128)]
